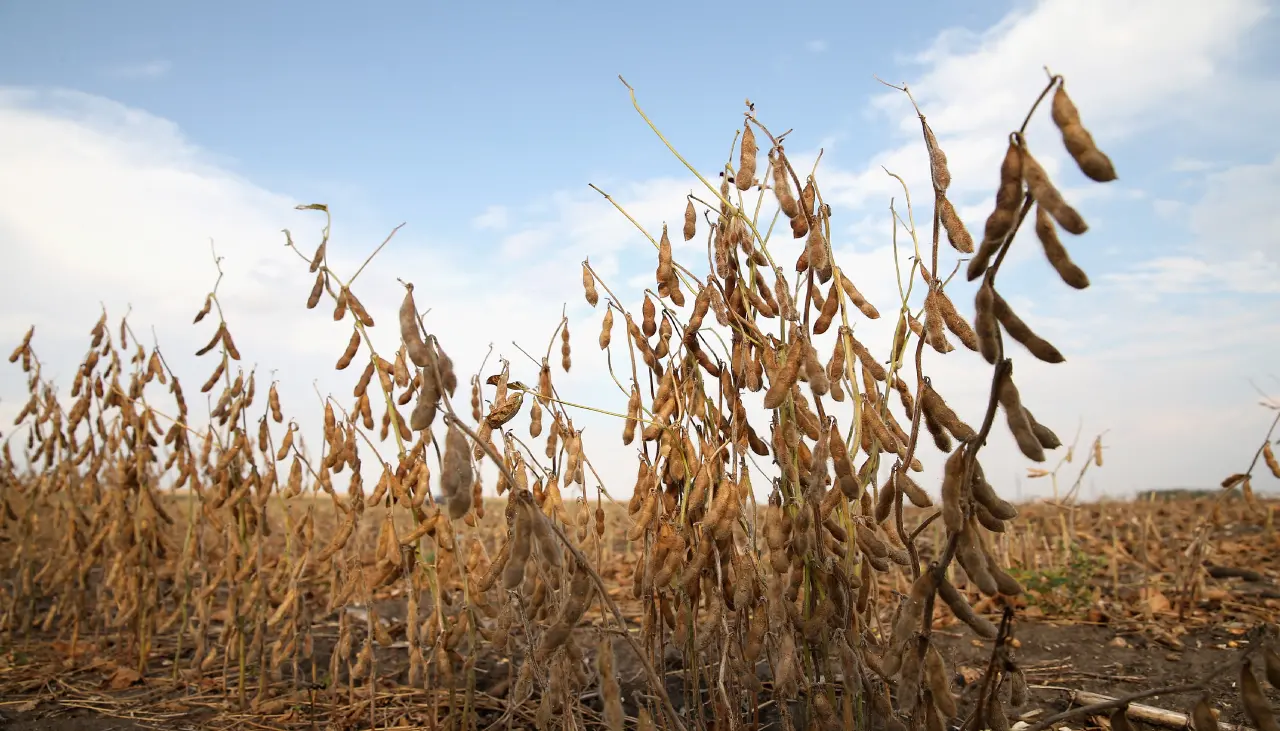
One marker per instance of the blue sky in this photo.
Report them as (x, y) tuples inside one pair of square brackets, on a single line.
[(378, 102), (131, 136)]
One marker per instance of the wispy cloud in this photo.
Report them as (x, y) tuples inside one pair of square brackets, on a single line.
[(816, 46), (1190, 165), (147, 70), (494, 218)]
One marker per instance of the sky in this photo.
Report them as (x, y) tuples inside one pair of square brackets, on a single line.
[(137, 140)]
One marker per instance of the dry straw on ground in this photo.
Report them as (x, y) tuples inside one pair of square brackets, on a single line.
[(819, 609)]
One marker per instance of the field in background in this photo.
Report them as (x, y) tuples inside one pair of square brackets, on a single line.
[(1104, 612)]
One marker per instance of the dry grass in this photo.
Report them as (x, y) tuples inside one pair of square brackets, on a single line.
[(271, 594)]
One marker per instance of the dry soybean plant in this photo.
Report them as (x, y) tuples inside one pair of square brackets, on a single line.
[(814, 610), (1191, 571)]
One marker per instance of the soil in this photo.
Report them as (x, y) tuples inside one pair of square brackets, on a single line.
[(1054, 656), (83, 721)]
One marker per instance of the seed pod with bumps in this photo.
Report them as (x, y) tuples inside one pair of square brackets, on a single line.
[(828, 310), (936, 408), (780, 385), (1006, 584), (1038, 346), (1001, 220), (540, 524), (953, 493), (974, 561), (746, 174), (960, 607), (690, 221), (985, 325), (1019, 691), (410, 333), (808, 196), (786, 677), (665, 275), (610, 692), (816, 374), (589, 285), (912, 490), (1019, 424), (986, 495), (884, 500), (649, 325), (909, 619), (782, 295), (850, 291), (723, 513), (317, 289), (957, 235), (424, 412), (782, 185), (645, 517), (606, 329), (521, 542), (1271, 664), (986, 519), (535, 419), (1044, 193), (816, 249), (939, 685), (1270, 456), (565, 352), (1078, 141), (455, 472), (1202, 718), (937, 160), (353, 345), (1256, 707), (633, 416), (1056, 253), (936, 336)]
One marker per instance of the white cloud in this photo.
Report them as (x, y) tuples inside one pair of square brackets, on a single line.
[(816, 46), (976, 87), (1185, 275), (493, 218), (1238, 213), (1190, 165), (1235, 238), (1115, 67), (147, 70)]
